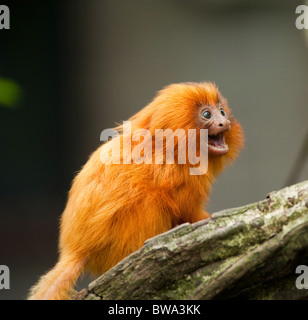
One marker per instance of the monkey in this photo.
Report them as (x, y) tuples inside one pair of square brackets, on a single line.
[(112, 209)]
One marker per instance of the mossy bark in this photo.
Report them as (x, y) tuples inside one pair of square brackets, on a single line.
[(249, 252)]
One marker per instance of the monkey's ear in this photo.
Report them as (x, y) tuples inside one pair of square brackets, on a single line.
[(232, 119)]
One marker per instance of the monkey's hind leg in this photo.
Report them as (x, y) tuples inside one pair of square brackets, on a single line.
[(58, 283)]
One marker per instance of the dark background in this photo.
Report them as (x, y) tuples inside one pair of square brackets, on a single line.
[(81, 66)]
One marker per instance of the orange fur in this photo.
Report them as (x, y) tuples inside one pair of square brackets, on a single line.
[(112, 209)]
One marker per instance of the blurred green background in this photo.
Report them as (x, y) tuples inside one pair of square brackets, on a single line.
[(70, 69)]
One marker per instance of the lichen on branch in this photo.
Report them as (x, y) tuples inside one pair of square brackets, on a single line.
[(249, 252)]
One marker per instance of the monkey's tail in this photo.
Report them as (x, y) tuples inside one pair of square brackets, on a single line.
[(58, 283)]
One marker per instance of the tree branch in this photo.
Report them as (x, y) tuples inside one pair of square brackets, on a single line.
[(247, 252)]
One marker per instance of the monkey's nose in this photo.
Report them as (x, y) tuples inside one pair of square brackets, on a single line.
[(224, 123)]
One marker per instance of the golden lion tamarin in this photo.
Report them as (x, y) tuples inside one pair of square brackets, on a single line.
[(113, 208)]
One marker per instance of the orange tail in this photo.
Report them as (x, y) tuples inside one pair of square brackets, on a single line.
[(58, 283)]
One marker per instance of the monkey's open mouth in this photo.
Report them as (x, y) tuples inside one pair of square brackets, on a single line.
[(217, 145)]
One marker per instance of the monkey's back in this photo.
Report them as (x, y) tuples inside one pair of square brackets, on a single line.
[(112, 209)]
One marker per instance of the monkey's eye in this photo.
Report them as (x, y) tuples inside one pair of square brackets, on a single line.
[(222, 112), (207, 115)]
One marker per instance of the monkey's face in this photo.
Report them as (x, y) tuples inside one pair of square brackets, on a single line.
[(216, 120), (195, 106)]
